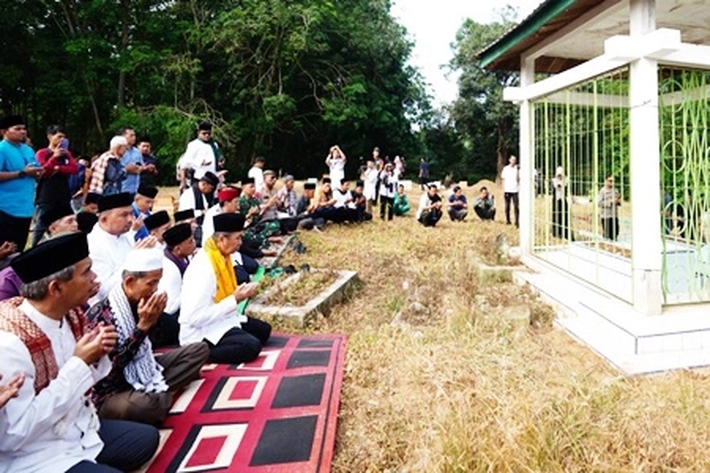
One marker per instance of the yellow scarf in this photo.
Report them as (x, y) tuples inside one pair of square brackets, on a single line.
[(223, 271)]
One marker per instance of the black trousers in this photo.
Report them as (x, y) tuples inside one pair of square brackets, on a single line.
[(429, 218), (14, 229), (485, 214), (386, 203), (512, 197), (127, 446), (240, 345), (611, 228)]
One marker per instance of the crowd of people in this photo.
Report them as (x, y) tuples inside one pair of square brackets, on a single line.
[(107, 280)]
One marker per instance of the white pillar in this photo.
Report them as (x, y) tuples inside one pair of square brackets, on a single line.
[(527, 132), (645, 168)]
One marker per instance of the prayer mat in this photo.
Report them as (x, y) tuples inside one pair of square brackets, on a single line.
[(277, 413)]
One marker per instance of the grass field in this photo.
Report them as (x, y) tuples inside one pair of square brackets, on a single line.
[(439, 379)]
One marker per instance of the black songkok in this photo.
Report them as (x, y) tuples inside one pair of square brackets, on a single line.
[(228, 223), (175, 235), (50, 257), (156, 220), (114, 201)]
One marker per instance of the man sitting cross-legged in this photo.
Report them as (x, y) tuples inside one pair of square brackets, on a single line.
[(140, 386), (52, 424), (210, 295)]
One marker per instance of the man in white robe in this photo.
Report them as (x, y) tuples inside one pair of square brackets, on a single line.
[(200, 157), (52, 424), (210, 296), (141, 385), (180, 246), (111, 239)]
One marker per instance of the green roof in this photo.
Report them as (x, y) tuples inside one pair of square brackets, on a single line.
[(547, 11)]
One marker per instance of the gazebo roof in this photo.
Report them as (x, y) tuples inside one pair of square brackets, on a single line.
[(564, 33)]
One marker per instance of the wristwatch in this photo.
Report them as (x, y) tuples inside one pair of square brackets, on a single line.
[(21, 174)]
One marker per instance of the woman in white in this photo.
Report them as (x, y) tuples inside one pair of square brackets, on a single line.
[(336, 163), (369, 178)]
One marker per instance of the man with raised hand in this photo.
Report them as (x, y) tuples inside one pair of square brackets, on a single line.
[(210, 296), (45, 342), (141, 386)]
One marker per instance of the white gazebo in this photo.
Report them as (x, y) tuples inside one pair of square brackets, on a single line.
[(617, 89)]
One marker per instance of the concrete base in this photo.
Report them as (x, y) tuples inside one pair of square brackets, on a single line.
[(320, 304), (630, 341)]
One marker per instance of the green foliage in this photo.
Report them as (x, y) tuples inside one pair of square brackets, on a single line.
[(283, 79)]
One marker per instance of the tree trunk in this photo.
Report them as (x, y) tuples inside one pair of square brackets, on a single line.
[(121, 98), (502, 153)]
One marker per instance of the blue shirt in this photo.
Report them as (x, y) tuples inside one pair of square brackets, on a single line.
[(17, 195), (461, 198), (132, 181), (142, 232)]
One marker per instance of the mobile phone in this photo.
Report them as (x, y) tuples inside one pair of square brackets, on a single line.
[(64, 144)]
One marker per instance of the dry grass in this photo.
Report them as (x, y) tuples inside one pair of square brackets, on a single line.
[(437, 380)]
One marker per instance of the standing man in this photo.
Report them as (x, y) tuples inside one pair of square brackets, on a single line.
[(200, 157), (53, 187), (609, 201), (511, 187), (132, 161), (150, 162), (423, 173), (257, 173), (44, 338), (18, 171), (107, 172)]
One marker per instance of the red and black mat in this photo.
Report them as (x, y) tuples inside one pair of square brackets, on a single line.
[(275, 414)]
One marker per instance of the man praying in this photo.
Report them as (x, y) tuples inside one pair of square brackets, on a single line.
[(140, 386), (210, 296)]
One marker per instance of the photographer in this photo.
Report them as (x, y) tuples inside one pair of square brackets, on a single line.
[(53, 186), (336, 165)]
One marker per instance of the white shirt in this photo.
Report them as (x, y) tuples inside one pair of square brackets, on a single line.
[(389, 190), (258, 174), (370, 183), (187, 201), (510, 175), (171, 284), (336, 170), (108, 253), (424, 201), (341, 197), (200, 317), (200, 157), (57, 428), (208, 223)]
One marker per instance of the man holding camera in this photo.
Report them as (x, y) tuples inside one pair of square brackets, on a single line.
[(53, 186)]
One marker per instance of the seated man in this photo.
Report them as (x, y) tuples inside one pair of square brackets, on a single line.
[(256, 229), (401, 202), (458, 205), (111, 239), (57, 220), (142, 207), (429, 211), (484, 206), (359, 203), (156, 224), (52, 424), (180, 246), (91, 203), (305, 209), (210, 295), (198, 198), (140, 386)]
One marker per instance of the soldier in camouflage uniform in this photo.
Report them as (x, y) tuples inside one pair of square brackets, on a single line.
[(250, 208)]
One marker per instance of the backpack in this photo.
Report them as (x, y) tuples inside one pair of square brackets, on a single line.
[(114, 175)]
